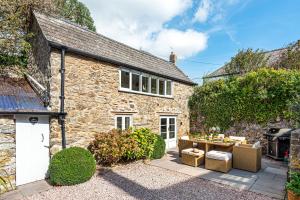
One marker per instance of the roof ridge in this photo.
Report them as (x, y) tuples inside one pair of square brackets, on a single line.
[(99, 34)]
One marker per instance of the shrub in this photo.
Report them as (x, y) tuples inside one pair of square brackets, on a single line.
[(294, 184), (146, 140), (159, 148), (114, 146), (71, 166)]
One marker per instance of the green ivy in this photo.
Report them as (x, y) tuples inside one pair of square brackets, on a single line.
[(257, 97)]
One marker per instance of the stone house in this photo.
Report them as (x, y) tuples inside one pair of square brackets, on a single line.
[(92, 84)]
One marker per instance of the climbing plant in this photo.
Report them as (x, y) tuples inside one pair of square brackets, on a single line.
[(257, 97)]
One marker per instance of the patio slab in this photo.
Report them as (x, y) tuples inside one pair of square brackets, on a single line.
[(270, 180)]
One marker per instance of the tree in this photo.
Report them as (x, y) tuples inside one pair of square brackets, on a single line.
[(15, 17), (245, 61), (290, 59), (77, 12)]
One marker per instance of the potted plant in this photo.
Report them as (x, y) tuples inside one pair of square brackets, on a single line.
[(293, 187)]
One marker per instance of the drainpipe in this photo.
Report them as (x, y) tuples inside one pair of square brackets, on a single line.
[(62, 98)]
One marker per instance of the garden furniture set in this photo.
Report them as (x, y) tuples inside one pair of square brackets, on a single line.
[(220, 154)]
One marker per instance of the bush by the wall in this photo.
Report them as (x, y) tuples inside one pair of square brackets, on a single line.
[(71, 166), (257, 97), (159, 148), (146, 140), (114, 146)]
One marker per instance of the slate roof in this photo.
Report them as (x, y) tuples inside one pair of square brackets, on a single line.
[(272, 56), (60, 33), (16, 95)]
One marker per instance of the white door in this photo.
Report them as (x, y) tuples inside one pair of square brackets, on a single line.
[(32, 148), (168, 131)]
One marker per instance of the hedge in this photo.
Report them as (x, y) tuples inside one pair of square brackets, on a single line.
[(257, 97)]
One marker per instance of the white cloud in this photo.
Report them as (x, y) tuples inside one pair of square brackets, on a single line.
[(140, 23), (203, 11)]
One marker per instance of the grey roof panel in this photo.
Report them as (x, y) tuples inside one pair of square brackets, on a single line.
[(17, 95), (68, 34)]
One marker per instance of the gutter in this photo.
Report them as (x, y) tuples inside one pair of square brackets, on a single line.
[(101, 58), (54, 114)]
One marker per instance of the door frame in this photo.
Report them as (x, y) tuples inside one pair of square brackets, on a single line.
[(168, 118)]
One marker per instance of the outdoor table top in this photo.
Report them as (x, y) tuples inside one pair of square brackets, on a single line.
[(219, 143)]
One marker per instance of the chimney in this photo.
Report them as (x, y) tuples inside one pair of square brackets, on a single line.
[(173, 57)]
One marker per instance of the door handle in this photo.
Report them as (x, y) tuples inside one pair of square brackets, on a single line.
[(42, 137)]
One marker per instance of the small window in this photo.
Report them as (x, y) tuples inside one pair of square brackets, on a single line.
[(161, 87), (153, 85), (125, 76), (169, 88), (123, 122), (135, 82), (145, 84)]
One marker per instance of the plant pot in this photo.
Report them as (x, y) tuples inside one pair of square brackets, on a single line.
[(292, 196)]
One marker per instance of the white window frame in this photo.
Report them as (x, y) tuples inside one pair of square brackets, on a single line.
[(150, 77), (123, 121)]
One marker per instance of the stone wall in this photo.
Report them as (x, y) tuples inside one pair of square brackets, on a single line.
[(7, 151), (252, 132), (295, 151), (92, 101)]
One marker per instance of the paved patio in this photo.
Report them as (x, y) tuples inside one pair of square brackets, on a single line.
[(270, 180)]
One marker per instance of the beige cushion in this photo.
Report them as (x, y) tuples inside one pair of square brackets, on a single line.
[(219, 155), (185, 137), (237, 138), (193, 151), (256, 145)]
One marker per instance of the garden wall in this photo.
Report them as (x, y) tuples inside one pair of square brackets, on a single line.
[(7, 150), (295, 151)]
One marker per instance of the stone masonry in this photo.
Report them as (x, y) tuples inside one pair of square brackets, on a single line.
[(92, 101), (7, 151), (295, 151)]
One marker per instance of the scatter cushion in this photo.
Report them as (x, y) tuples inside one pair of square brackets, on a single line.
[(185, 137), (237, 138), (193, 151), (256, 145), (219, 155)]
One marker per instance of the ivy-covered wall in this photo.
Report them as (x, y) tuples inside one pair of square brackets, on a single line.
[(247, 105)]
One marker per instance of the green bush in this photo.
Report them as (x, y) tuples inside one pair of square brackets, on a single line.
[(294, 184), (257, 97), (113, 147), (146, 140), (71, 166), (159, 148)]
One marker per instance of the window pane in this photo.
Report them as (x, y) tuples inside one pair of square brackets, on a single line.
[(127, 122), (135, 82), (153, 85), (172, 121), (163, 135), (145, 84), (172, 134), (172, 127), (169, 89), (163, 121), (161, 87), (119, 122), (124, 79)]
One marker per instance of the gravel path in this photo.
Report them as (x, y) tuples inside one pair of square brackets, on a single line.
[(141, 181)]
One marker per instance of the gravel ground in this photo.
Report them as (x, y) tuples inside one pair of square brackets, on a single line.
[(141, 181)]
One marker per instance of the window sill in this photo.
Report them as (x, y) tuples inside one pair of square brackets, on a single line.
[(143, 93)]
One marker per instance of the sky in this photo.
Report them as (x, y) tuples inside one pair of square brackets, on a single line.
[(204, 34)]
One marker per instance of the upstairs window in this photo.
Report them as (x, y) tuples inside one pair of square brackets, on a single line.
[(125, 79), (153, 85), (161, 87), (135, 82), (142, 83), (169, 88), (145, 84)]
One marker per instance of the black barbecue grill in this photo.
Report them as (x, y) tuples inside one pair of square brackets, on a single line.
[(278, 142)]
